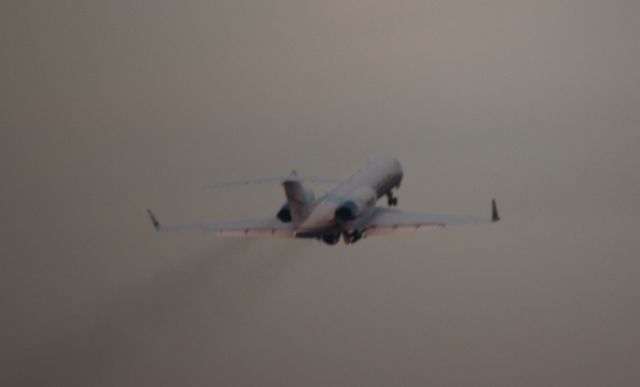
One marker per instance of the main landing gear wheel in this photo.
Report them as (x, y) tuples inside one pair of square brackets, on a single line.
[(352, 237), (391, 200), (331, 239)]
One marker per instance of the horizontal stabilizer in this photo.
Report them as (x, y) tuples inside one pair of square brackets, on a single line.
[(293, 176)]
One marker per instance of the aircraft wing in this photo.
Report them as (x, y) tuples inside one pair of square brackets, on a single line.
[(240, 228), (389, 221)]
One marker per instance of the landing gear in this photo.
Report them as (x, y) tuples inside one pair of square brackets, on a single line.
[(331, 239), (352, 237), (392, 201)]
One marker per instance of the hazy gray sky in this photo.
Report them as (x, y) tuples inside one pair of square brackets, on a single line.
[(112, 107)]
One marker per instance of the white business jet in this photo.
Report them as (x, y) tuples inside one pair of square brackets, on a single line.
[(349, 210)]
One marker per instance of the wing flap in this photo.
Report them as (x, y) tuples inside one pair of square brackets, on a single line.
[(400, 229)]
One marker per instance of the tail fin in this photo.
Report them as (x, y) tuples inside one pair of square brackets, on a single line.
[(299, 198)]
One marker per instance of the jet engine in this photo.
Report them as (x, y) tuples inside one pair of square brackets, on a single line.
[(284, 214), (362, 200)]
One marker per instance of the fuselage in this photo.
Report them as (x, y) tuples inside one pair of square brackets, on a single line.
[(352, 201)]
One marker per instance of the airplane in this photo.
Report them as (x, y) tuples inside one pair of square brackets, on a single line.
[(349, 210)]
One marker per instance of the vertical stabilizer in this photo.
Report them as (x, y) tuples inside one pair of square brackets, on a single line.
[(299, 198)]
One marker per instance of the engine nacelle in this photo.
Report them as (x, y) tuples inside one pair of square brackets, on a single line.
[(284, 214), (360, 202), (331, 239), (347, 211)]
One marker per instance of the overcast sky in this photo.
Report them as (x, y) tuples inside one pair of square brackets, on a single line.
[(111, 107)]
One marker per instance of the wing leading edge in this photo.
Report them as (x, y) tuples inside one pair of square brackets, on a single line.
[(389, 221), (240, 228)]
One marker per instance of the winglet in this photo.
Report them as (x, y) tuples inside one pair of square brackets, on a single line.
[(154, 220), (494, 211)]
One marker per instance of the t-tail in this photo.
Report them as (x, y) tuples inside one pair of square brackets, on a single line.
[(299, 198)]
